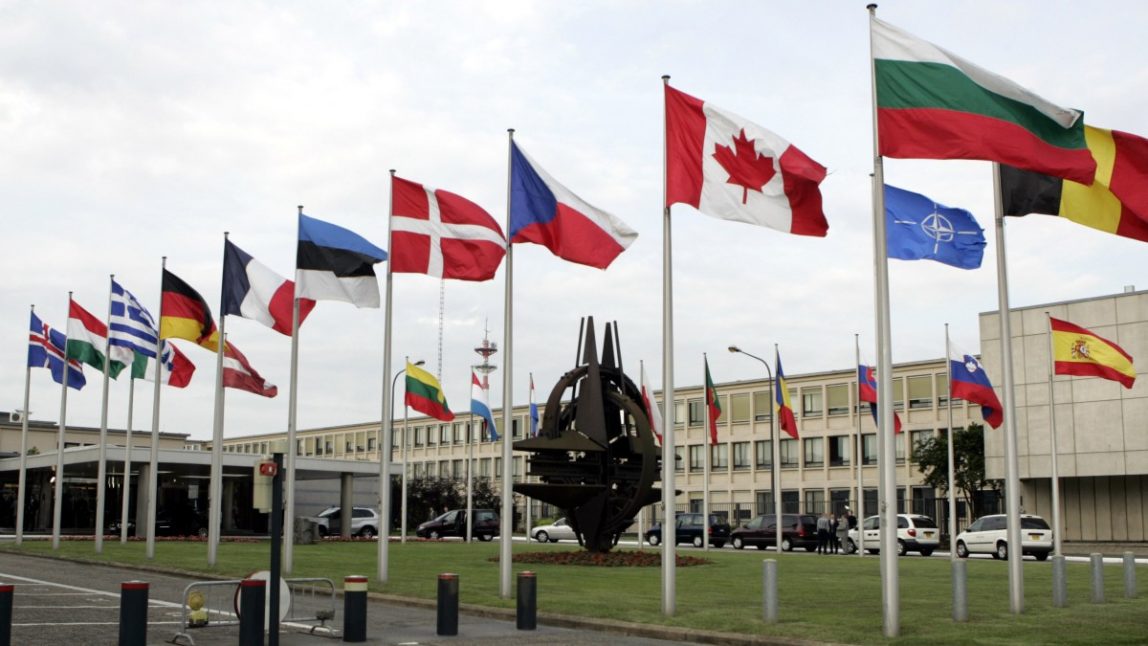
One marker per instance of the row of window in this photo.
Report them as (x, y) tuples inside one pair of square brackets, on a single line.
[(812, 452), (483, 468)]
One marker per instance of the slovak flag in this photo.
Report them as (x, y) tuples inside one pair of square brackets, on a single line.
[(533, 410), (968, 381), (253, 291), (545, 212), (480, 407), (651, 405), (867, 392)]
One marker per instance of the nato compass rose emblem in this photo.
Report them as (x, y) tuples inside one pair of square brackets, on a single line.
[(939, 228)]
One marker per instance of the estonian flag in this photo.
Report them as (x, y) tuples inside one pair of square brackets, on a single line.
[(336, 264)]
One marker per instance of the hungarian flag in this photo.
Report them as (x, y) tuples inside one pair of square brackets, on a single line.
[(88, 341), (441, 234), (785, 418), (424, 394), (932, 104), (185, 315), (1080, 352), (730, 168), (712, 405)]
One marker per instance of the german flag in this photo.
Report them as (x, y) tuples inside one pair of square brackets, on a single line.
[(185, 315), (1077, 351), (1116, 202)]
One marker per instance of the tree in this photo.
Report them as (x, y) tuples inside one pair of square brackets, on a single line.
[(932, 458)]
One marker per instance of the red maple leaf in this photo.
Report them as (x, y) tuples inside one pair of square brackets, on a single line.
[(746, 167)]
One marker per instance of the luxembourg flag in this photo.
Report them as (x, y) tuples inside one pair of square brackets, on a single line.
[(968, 381), (533, 410), (480, 407), (545, 212)]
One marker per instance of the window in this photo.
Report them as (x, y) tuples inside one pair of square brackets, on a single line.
[(763, 500), (318, 443), (871, 497), (942, 388), (837, 399), (431, 470), (679, 458), (788, 451), (814, 501), (515, 428), (869, 448), (719, 457), (456, 468), (371, 443), (921, 391), (484, 468), (839, 499), (697, 412), (348, 447), (762, 405), (697, 454), (740, 456), (497, 467), (327, 448), (899, 444), (739, 408), (430, 436), (444, 469), (814, 451), (459, 433), (898, 393), (790, 502), (444, 434), (840, 450), (679, 412), (811, 402), (916, 438), (763, 454)]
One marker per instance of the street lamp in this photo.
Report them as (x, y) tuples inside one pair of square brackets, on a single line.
[(774, 476), (403, 444)]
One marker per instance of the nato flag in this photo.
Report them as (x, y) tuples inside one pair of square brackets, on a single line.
[(916, 227)]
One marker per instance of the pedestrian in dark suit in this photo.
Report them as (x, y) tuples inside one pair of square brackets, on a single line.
[(823, 526)]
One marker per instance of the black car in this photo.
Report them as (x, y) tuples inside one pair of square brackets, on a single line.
[(689, 528), (453, 523), (799, 530), (183, 521)]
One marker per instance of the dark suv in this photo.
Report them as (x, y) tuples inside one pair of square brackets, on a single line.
[(799, 530), (689, 529), (453, 523)]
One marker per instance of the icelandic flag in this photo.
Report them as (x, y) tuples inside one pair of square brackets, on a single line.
[(968, 381), (480, 407), (545, 212), (46, 348), (918, 228), (253, 291), (867, 392), (336, 264), (533, 410)]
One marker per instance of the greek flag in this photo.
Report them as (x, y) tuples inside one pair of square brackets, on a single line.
[(131, 326)]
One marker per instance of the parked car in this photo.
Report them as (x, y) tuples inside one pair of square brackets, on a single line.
[(799, 530), (365, 521), (180, 521), (689, 528), (989, 535), (915, 533), (453, 523), (554, 532)]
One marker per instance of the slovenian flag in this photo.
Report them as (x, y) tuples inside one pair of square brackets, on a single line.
[(968, 381), (253, 291), (545, 212), (479, 405), (336, 264)]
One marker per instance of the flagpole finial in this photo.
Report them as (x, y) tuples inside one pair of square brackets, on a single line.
[(665, 78), (300, 207), (872, 6), (391, 171)]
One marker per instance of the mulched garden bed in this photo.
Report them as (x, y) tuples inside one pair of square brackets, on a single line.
[(610, 559)]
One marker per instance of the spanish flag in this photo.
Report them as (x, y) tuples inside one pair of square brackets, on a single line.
[(1077, 351), (1116, 202), (185, 315)]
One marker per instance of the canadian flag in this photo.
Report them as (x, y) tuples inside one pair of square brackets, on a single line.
[(730, 168), (441, 234)]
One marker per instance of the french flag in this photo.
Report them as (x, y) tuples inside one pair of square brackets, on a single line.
[(253, 291), (968, 381), (545, 212), (480, 407)]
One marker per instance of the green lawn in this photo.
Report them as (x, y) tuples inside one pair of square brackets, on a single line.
[(829, 599)]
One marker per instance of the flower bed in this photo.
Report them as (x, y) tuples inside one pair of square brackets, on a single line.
[(621, 558)]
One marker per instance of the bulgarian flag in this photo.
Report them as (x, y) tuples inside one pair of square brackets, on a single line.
[(932, 104), (88, 340), (424, 394)]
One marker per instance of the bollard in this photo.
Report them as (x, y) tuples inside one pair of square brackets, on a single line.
[(6, 592), (133, 613), (252, 597), (960, 590), (527, 618), (1097, 578), (769, 591), (1129, 576), (448, 604), (1059, 582), (355, 609)]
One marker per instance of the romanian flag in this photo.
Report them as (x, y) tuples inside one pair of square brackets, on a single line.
[(785, 417), (712, 404), (1117, 201), (185, 315), (1077, 351), (424, 394)]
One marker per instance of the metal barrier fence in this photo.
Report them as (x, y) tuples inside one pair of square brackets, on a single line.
[(310, 602)]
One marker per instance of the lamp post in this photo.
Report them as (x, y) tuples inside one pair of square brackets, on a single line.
[(775, 477), (403, 450)]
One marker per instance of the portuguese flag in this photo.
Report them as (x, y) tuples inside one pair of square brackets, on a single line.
[(932, 104), (424, 394), (712, 404)]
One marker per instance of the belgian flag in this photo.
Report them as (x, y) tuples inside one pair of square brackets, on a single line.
[(185, 315), (1117, 200)]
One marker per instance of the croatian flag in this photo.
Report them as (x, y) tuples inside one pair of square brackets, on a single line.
[(867, 392), (968, 381), (253, 291), (545, 212), (533, 410), (480, 407)]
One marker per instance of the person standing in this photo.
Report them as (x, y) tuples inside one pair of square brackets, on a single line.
[(823, 533), (843, 526)]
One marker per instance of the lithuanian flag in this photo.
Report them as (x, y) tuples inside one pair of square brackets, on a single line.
[(424, 394), (1077, 351), (185, 315)]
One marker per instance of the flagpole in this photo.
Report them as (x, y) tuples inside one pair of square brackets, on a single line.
[(58, 490), (216, 484), (952, 458), (153, 459), (507, 530), (890, 584), (1055, 475), (102, 460), (126, 496), (403, 449), (469, 475), (386, 427), (21, 489), (292, 424), (669, 530), (707, 443), (1012, 466), (775, 439), (858, 453), (526, 433)]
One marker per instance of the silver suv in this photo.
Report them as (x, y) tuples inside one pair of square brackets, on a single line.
[(364, 521)]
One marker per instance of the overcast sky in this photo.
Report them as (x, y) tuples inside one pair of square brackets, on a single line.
[(134, 130)]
